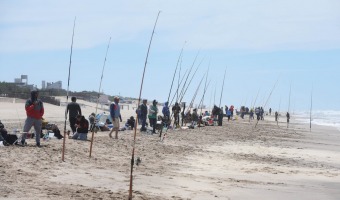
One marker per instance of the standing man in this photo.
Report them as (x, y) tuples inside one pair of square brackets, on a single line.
[(276, 116), (153, 110), (270, 111), (288, 117), (220, 117), (115, 115), (143, 114), (34, 110), (166, 111), (175, 111), (74, 110)]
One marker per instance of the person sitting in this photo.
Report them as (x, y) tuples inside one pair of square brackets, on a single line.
[(3, 134), (82, 128), (56, 131), (130, 124), (107, 126)]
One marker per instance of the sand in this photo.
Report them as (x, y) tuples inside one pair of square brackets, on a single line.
[(235, 161)]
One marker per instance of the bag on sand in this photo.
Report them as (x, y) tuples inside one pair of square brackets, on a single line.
[(11, 139)]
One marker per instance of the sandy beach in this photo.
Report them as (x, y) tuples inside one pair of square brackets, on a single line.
[(235, 161)]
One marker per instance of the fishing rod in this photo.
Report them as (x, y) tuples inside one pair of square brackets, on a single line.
[(202, 99), (173, 78), (277, 122), (100, 85), (195, 94), (186, 79), (256, 98), (215, 93), (253, 103), (140, 94), (179, 77), (68, 85), (310, 112), (222, 86), (178, 88), (290, 90), (211, 94), (270, 94), (190, 82), (205, 87)]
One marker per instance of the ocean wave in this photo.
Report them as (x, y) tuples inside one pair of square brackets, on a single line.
[(320, 117)]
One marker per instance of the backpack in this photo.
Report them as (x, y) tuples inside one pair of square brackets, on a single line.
[(11, 139)]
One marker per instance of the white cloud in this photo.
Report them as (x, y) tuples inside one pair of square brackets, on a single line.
[(250, 25)]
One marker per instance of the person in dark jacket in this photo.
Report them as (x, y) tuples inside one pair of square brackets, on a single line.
[(34, 110), (220, 117), (176, 109), (130, 123), (82, 128), (166, 111), (73, 109), (143, 114), (3, 134)]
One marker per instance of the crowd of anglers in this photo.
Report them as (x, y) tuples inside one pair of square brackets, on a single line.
[(170, 118)]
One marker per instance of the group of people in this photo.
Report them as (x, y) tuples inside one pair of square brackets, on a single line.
[(80, 126), (144, 112)]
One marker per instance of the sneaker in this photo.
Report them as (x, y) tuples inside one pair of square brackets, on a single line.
[(38, 145)]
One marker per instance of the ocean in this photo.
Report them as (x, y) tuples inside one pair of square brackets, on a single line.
[(320, 117)]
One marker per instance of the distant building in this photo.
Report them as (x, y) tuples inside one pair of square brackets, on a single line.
[(23, 82), (43, 85), (56, 85)]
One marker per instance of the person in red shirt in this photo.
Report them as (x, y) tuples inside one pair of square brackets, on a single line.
[(34, 110)]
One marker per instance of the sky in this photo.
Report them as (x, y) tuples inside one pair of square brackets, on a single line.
[(267, 47)]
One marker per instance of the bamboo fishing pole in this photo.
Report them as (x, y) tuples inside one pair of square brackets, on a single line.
[(278, 114), (187, 77), (178, 88), (253, 103), (310, 112), (202, 99), (173, 78), (222, 87), (205, 87), (68, 85), (179, 78), (100, 85), (215, 93), (270, 94), (140, 94), (190, 82), (195, 94)]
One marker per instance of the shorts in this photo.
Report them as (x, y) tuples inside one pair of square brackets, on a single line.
[(116, 122)]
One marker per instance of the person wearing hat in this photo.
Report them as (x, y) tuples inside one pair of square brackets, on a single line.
[(34, 110), (115, 116), (143, 114), (153, 110)]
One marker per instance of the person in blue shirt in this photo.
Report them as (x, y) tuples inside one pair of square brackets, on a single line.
[(166, 111), (115, 116)]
